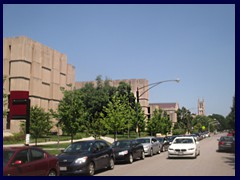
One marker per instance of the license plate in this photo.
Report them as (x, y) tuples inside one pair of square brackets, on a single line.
[(180, 153), (63, 168)]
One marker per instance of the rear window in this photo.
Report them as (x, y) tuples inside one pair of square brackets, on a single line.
[(227, 138)]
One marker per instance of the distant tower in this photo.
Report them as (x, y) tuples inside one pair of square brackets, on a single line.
[(201, 107)]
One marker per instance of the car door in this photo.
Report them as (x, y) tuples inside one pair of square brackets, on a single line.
[(39, 161), (136, 148), (105, 150), (99, 156), (23, 168), (155, 145)]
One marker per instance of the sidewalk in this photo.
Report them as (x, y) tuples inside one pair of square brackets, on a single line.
[(108, 139)]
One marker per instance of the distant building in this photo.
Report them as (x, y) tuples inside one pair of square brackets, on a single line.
[(170, 108), (34, 67), (201, 107)]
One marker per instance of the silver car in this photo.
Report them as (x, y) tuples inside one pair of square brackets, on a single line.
[(151, 145)]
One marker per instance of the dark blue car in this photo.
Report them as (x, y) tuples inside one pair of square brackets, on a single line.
[(85, 157), (128, 150)]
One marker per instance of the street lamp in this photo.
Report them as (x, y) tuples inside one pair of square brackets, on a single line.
[(150, 86)]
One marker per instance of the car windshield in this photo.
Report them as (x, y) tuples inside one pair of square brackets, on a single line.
[(143, 140), (78, 147), (183, 141), (121, 144), (7, 154)]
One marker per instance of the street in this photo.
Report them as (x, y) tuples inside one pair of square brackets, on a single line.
[(209, 163)]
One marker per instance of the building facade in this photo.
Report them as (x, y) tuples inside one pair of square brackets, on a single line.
[(31, 66), (169, 108)]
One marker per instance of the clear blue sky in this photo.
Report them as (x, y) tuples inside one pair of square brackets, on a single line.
[(158, 42)]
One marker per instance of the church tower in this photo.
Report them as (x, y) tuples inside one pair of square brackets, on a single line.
[(201, 107)]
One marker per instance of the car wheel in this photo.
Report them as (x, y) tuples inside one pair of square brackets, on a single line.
[(111, 164), (91, 169), (195, 155), (52, 173), (163, 149), (151, 152), (142, 155), (130, 158)]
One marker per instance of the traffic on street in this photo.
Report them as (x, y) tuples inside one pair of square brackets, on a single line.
[(210, 162)]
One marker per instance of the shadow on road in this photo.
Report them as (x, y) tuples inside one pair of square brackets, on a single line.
[(229, 158)]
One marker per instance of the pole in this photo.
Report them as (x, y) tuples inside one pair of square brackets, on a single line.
[(137, 93), (27, 142), (150, 86)]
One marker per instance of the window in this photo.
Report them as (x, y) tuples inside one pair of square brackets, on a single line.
[(37, 155), (22, 156)]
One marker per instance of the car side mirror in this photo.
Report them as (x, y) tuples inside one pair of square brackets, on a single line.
[(17, 163), (170, 142)]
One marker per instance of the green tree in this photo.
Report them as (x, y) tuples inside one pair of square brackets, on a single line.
[(71, 112), (94, 99), (140, 120), (5, 99), (184, 120), (231, 116), (159, 123), (116, 112), (222, 121), (40, 123)]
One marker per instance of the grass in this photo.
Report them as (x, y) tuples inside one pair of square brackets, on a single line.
[(20, 138)]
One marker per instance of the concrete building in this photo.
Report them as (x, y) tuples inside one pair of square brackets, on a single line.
[(170, 108), (34, 67)]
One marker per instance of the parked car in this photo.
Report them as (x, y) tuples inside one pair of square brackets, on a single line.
[(184, 147), (151, 145), (85, 157), (29, 161), (128, 150), (171, 138), (226, 143), (164, 143)]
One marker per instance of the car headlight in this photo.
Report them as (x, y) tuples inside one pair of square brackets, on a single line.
[(191, 149), (81, 160), (123, 152), (147, 147), (170, 149)]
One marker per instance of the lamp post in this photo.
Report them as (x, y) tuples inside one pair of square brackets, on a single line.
[(150, 86)]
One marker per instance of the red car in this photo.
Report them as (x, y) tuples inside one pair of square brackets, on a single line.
[(29, 161)]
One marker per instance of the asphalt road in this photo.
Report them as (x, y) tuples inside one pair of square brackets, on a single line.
[(209, 163)]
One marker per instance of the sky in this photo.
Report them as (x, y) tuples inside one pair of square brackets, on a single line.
[(157, 42)]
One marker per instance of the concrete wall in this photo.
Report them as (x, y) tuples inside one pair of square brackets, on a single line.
[(34, 67)]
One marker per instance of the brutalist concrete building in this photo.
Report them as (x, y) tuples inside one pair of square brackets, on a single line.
[(34, 67)]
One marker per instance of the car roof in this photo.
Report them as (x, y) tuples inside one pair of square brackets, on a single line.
[(94, 140), (184, 137), (16, 148), (147, 137), (125, 140)]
